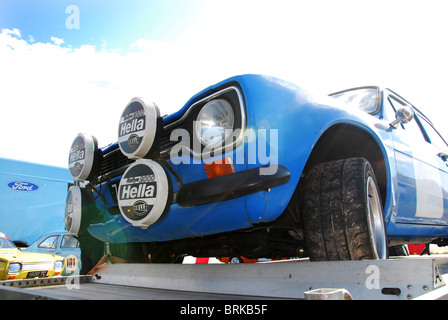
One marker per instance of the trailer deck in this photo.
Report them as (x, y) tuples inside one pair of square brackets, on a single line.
[(404, 278)]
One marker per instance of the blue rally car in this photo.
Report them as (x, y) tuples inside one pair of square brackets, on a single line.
[(255, 166)]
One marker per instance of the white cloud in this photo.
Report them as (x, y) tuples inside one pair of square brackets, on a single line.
[(11, 32), (57, 41), (50, 93), (46, 98)]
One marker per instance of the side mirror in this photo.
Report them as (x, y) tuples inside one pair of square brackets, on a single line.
[(403, 115)]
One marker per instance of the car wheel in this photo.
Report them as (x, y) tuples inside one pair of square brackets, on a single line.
[(343, 216), (236, 260)]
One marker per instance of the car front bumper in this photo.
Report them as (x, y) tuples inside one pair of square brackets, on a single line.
[(230, 186)]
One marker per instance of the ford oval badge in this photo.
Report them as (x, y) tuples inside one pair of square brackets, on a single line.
[(23, 186)]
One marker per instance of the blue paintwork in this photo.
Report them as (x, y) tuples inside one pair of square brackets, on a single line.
[(39, 207), (301, 119)]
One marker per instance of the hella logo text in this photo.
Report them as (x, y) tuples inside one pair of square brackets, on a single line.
[(77, 155), (132, 126), (133, 191)]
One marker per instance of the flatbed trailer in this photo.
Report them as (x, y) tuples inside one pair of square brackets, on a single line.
[(403, 278)]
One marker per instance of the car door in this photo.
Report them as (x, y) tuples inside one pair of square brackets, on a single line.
[(49, 245), (421, 171), (440, 148), (69, 246), (72, 253)]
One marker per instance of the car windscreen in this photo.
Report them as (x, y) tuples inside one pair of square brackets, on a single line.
[(6, 244), (365, 99)]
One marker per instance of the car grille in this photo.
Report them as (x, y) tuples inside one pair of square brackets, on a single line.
[(46, 265), (115, 163), (114, 160)]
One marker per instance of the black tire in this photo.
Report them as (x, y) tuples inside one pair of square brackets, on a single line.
[(343, 216)]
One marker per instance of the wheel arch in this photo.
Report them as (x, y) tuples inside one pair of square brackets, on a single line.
[(342, 141)]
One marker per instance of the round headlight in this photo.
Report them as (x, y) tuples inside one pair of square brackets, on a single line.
[(14, 267), (139, 129), (58, 265), (144, 193), (215, 122), (73, 210), (83, 156)]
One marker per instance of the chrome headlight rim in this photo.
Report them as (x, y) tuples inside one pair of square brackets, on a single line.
[(215, 117), (13, 272), (233, 93)]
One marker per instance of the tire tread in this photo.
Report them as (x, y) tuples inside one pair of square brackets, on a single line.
[(334, 216)]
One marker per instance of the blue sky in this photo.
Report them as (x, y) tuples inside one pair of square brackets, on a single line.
[(56, 82), (118, 23)]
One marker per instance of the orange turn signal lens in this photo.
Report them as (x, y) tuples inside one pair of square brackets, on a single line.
[(219, 168)]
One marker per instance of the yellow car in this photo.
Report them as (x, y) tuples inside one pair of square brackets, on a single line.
[(15, 264)]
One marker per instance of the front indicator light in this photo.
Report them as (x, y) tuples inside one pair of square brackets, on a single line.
[(219, 168)]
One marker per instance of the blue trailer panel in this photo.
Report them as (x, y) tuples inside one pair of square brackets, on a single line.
[(32, 199)]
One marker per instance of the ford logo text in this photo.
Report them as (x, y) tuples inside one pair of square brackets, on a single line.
[(23, 186)]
